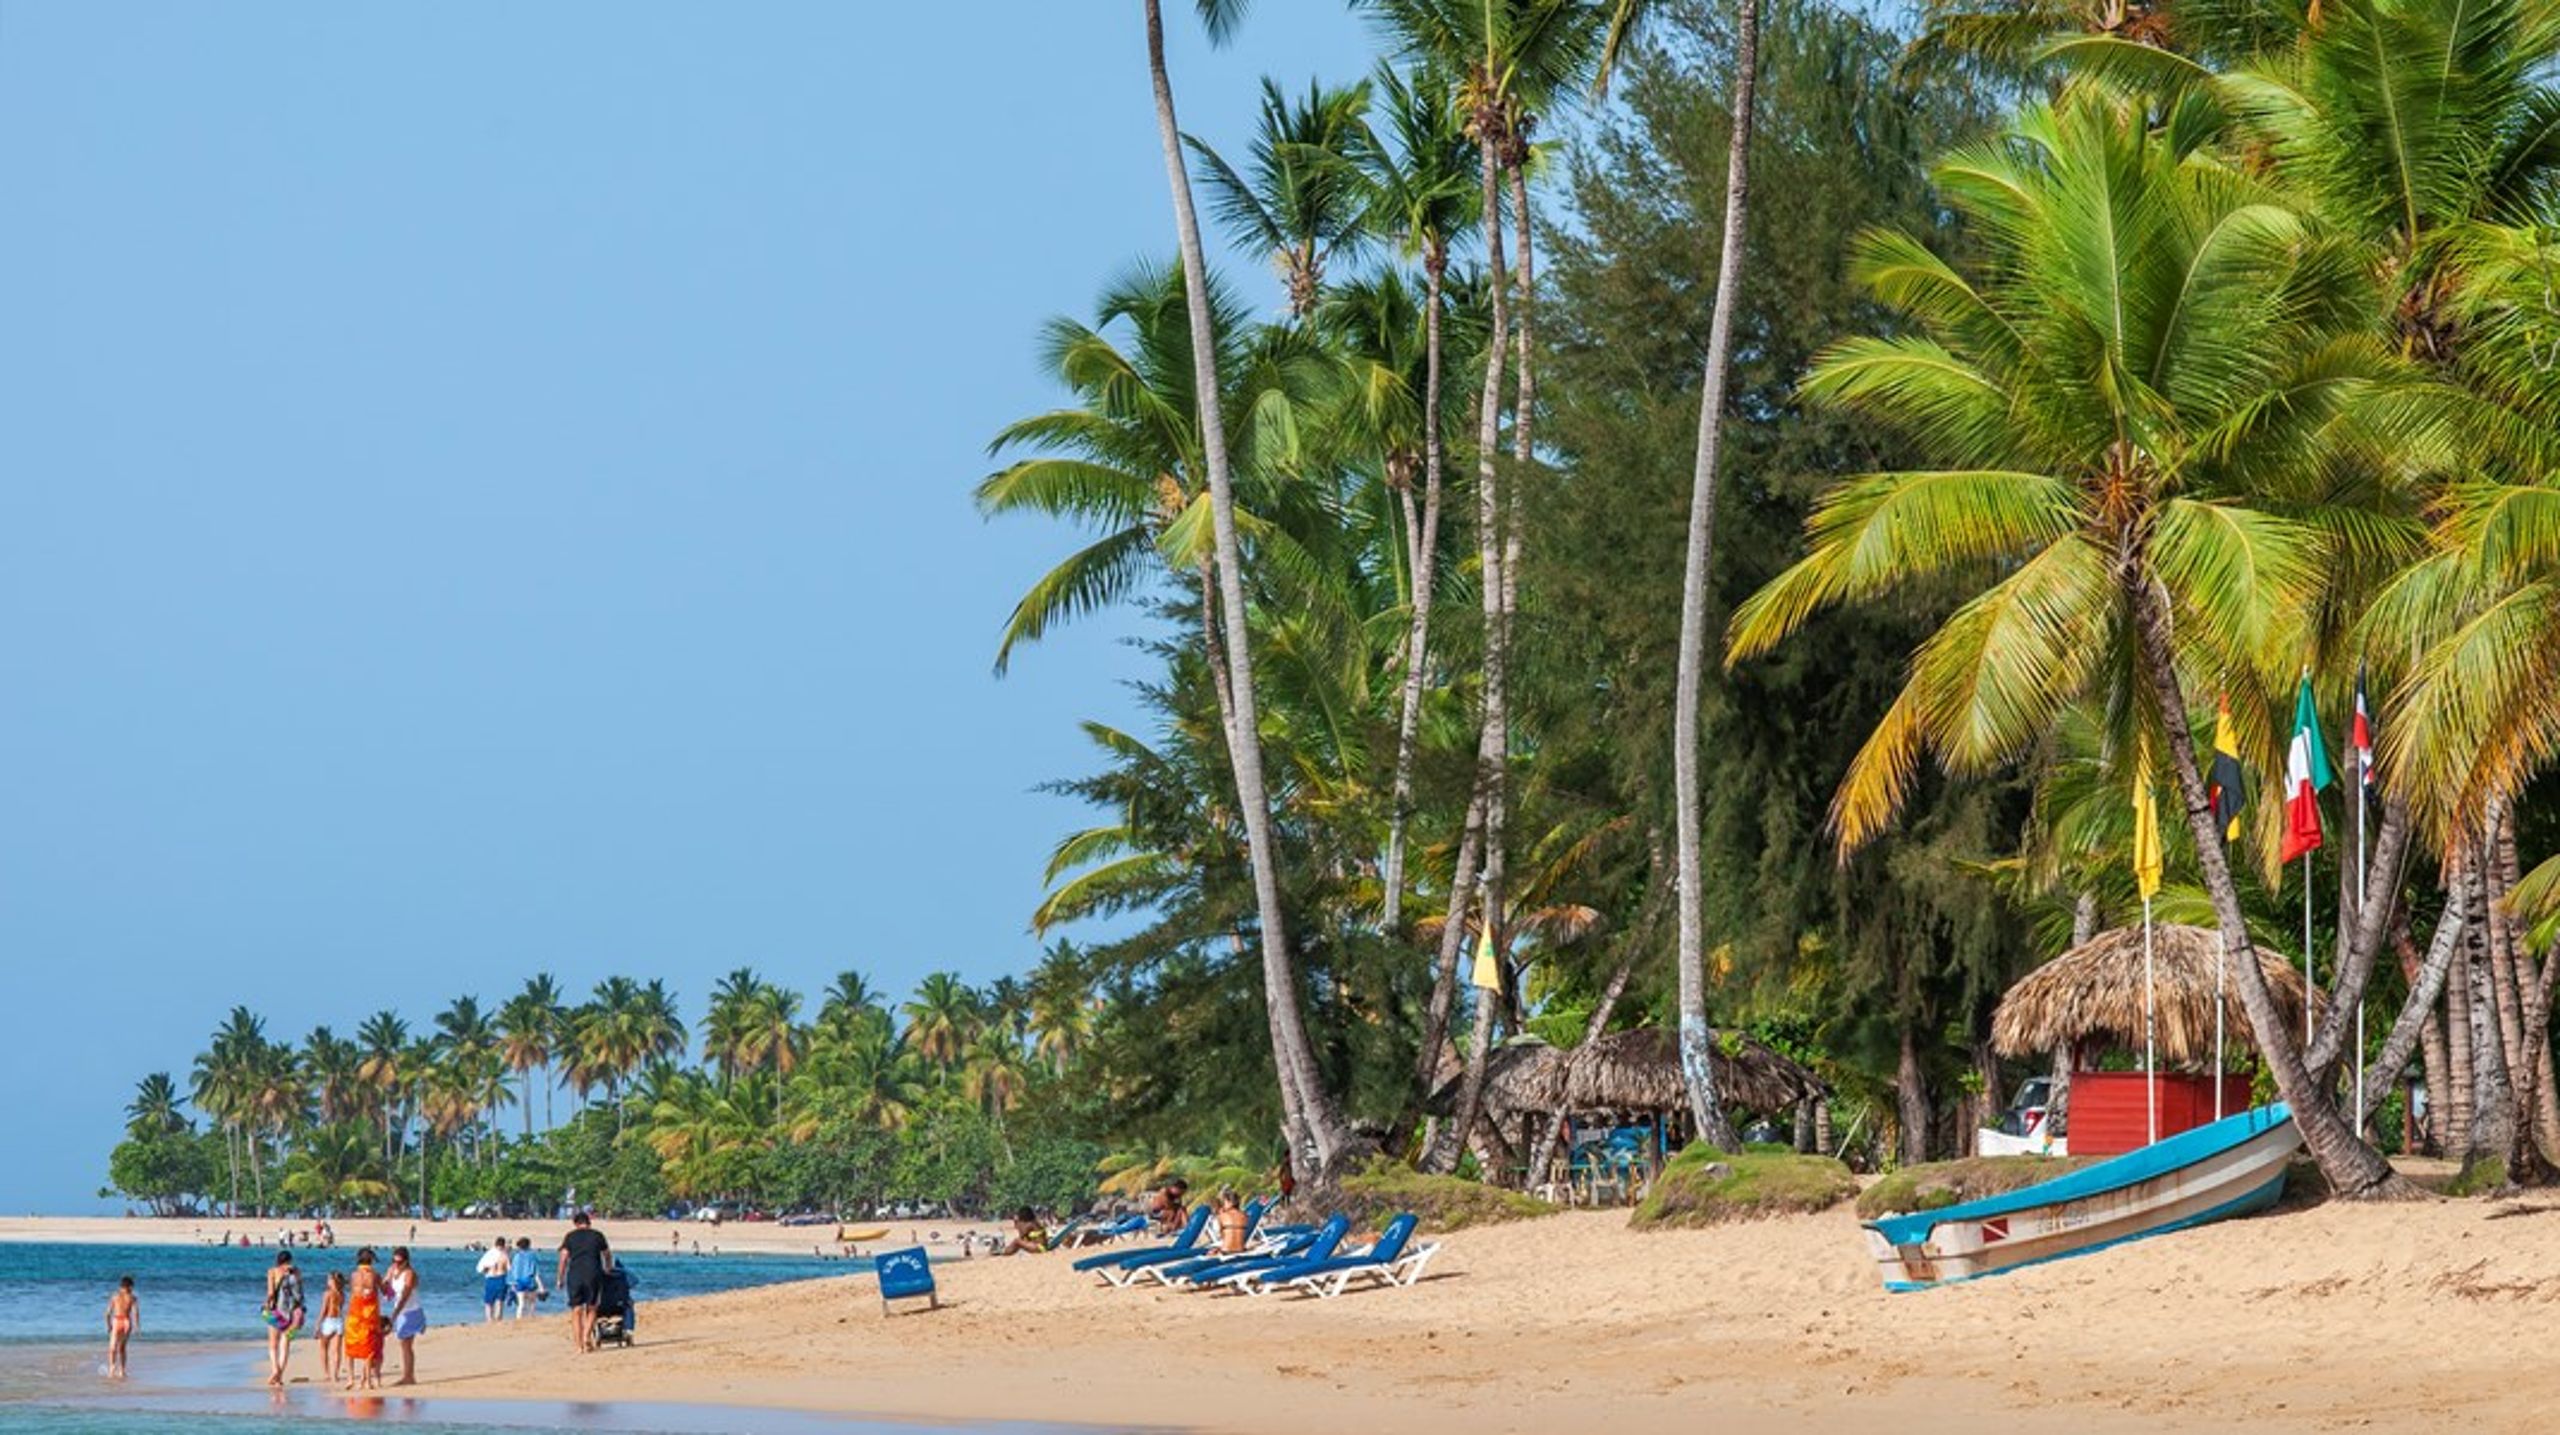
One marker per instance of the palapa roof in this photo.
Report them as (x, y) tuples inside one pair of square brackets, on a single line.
[(2094, 993), (1635, 1070)]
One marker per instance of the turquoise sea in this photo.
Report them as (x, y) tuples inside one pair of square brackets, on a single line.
[(197, 1362)]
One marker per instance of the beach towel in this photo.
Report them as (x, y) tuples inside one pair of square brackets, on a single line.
[(364, 1328)]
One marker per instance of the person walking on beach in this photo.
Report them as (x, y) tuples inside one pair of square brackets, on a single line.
[(584, 1259), (363, 1349), (282, 1313), (524, 1275), (124, 1313), (333, 1324), (495, 1262), (408, 1312)]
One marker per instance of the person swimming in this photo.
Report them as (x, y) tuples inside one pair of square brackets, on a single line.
[(124, 1314)]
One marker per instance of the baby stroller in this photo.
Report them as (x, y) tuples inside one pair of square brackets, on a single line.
[(616, 1316)]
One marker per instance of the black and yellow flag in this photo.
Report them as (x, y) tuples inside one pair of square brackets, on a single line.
[(2225, 787)]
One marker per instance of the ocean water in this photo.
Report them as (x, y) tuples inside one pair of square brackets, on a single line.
[(199, 1358), (54, 1294)]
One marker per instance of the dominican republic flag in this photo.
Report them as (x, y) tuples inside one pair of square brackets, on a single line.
[(2225, 785), (2306, 775), (2362, 736)]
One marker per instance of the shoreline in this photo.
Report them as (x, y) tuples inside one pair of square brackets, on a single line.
[(1575, 1322), (633, 1237)]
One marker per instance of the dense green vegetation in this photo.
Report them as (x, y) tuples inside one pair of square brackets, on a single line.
[(2089, 369)]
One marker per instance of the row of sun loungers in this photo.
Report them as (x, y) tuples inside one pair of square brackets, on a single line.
[(1306, 1259)]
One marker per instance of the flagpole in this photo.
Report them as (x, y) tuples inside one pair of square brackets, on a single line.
[(2221, 962), (2307, 987), (2360, 899), (2150, 1059)]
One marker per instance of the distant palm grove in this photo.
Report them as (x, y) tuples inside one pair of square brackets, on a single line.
[(1725, 508)]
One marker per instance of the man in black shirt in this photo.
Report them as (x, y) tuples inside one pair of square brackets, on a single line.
[(584, 1258)]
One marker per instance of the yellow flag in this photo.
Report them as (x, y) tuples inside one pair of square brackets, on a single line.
[(2146, 831), (1488, 968)]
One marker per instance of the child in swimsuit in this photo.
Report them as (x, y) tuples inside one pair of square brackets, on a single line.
[(333, 1324), (124, 1312)]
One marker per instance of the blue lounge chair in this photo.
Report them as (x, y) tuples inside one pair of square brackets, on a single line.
[(1319, 1247), (1120, 1267), (1260, 1249), (1387, 1262)]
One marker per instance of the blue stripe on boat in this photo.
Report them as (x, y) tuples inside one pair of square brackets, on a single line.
[(2158, 1159), (2257, 1200)]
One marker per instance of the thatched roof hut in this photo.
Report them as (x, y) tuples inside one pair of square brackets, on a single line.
[(1631, 1071), (2094, 993)]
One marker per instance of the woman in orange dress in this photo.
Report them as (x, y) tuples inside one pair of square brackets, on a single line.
[(363, 1348)]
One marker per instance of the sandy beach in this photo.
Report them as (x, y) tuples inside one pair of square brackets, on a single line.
[(2390, 1317)]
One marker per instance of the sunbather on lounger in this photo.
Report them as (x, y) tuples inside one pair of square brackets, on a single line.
[(1029, 1239), (1233, 1224), (1171, 1206)]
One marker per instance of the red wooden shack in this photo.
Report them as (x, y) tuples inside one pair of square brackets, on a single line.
[(2110, 1115)]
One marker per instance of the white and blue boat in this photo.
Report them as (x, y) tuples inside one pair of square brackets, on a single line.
[(2225, 1168)]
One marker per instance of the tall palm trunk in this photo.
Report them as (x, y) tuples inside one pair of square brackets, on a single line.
[(1309, 1110), (1493, 742), (2354, 1169), (1696, 1070), (2418, 1023), (1453, 946), (1425, 542), (1910, 1098), (2461, 1081), (1524, 404)]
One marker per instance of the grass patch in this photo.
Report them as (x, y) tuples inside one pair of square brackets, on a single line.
[(1939, 1184), (2485, 1177), (1706, 1188), (1445, 1203)]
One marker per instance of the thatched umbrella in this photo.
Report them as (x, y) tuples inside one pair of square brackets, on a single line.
[(2094, 993), (1640, 1071), (1631, 1071)]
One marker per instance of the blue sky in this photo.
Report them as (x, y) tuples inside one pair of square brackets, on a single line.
[(485, 489)]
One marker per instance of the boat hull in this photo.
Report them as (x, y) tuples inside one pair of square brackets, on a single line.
[(2227, 1168)]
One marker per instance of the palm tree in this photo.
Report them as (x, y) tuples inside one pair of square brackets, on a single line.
[(154, 1110), (770, 1036), (531, 1031), (995, 1071), (333, 1067), (1696, 1070), (848, 1001), (725, 1039), (1300, 201), (1061, 1017), (1421, 195), (2100, 514), (525, 1027), (942, 1019), (1307, 1107), (335, 1164), (384, 1040)]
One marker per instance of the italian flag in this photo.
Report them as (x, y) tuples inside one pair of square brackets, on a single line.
[(2306, 774)]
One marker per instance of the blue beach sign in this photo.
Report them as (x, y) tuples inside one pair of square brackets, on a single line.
[(905, 1275)]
